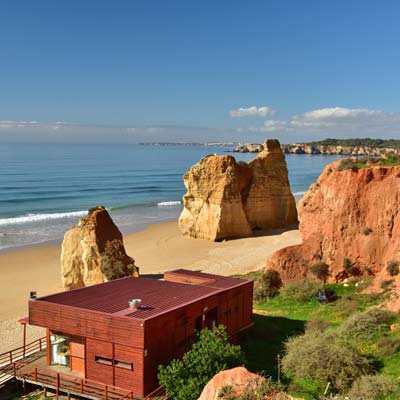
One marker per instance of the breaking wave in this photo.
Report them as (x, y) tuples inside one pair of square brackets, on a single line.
[(23, 219), (168, 203)]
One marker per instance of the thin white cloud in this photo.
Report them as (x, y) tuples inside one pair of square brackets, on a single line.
[(253, 111), (339, 121)]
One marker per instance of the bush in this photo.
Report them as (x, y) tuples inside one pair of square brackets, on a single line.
[(373, 387), (253, 390), (301, 291), (366, 325), (321, 271), (267, 285), (316, 325), (393, 268), (387, 346), (347, 305), (184, 379), (317, 359), (387, 284), (350, 268), (367, 231)]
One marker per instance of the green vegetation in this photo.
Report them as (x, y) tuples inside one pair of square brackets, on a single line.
[(305, 345), (211, 353), (114, 261), (254, 390), (300, 291), (267, 285), (366, 142), (320, 270), (393, 268), (388, 160)]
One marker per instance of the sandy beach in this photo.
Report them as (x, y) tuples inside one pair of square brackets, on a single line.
[(157, 248)]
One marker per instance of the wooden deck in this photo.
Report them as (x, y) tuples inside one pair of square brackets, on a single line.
[(31, 367)]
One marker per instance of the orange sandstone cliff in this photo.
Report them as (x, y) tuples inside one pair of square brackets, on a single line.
[(229, 199), (352, 214)]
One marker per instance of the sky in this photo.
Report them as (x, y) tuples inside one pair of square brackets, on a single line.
[(133, 71)]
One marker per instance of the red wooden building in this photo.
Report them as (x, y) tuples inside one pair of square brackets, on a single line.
[(99, 333)]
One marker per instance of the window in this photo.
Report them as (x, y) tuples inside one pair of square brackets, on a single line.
[(123, 364), (104, 360), (116, 363)]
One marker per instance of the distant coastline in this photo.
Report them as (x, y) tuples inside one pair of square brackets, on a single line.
[(345, 147)]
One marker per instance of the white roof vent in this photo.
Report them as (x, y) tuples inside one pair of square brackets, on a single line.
[(134, 303)]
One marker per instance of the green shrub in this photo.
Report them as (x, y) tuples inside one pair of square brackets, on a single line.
[(253, 390), (374, 387), (347, 305), (387, 284), (367, 231), (366, 325), (321, 270), (184, 379), (389, 345), (393, 268), (350, 267), (301, 291), (317, 359), (267, 285), (316, 325)]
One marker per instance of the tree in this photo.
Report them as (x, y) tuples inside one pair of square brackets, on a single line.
[(267, 285), (321, 271), (211, 353)]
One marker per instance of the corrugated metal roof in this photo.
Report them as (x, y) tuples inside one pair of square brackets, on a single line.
[(157, 296)]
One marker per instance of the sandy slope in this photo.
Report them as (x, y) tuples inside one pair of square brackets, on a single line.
[(158, 248)]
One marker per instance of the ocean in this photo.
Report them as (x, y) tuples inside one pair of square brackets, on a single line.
[(46, 188)]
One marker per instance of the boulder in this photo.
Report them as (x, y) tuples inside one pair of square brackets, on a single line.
[(229, 199), (236, 378), (93, 252), (350, 213)]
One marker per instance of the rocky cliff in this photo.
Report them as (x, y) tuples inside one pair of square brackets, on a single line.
[(306, 148), (351, 214), (93, 252), (227, 199)]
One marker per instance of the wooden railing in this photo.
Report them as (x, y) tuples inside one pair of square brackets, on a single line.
[(157, 394), (61, 381), (9, 357)]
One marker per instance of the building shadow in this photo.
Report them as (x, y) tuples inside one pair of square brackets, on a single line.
[(265, 341)]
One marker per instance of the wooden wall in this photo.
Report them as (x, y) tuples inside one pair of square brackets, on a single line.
[(123, 339), (168, 336), (86, 323)]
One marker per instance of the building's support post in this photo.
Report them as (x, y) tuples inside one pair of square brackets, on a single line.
[(24, 339)]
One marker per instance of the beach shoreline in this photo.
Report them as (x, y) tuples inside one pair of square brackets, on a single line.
[(157, 248)]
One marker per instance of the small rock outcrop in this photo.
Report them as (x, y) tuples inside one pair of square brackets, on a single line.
[(237, 379), (351, 214), (229, 199), (93, 252)]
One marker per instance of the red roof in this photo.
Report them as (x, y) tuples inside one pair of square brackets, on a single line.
[(158, 297)]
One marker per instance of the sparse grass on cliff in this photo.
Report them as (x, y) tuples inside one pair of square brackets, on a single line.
[(389, 160)]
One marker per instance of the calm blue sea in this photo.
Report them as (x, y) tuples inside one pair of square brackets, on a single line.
[(46, 188)]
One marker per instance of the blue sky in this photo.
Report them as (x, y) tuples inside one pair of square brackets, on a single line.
[(182, 70)]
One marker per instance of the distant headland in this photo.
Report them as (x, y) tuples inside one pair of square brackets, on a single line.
[(350, 147)]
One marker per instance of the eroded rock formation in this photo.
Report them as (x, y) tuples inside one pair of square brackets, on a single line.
[(93, 252), (238, 379), (353, 214), (228, 199)]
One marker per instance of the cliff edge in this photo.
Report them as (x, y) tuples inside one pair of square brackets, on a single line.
[(350, 220)]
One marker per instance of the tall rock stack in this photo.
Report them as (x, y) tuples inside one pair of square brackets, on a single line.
[(270, 202), (228, 199), (93, 252)]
